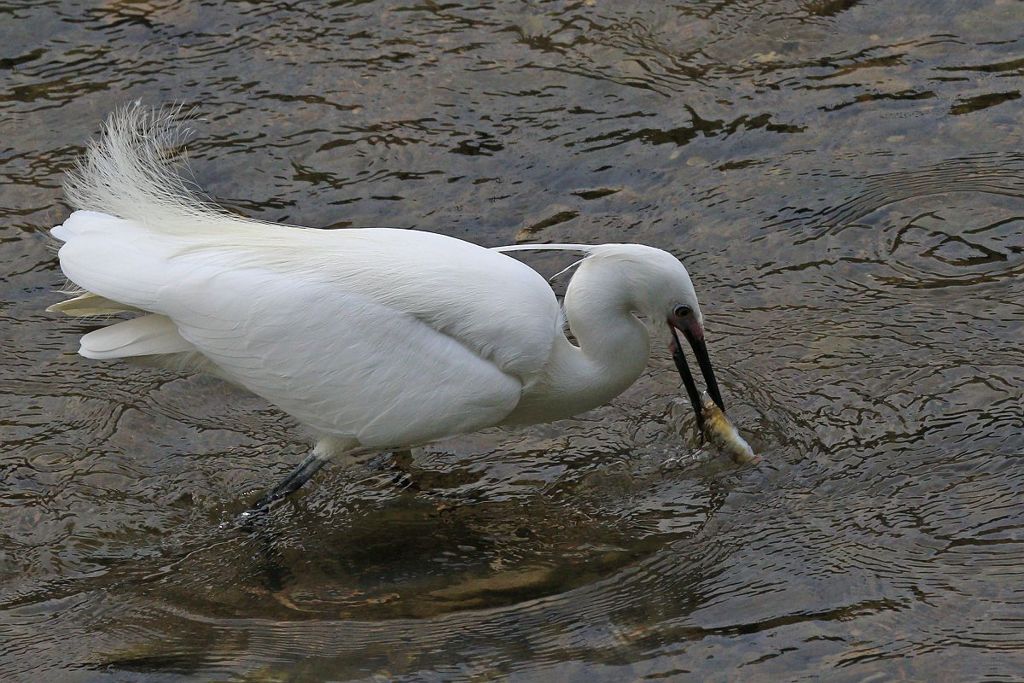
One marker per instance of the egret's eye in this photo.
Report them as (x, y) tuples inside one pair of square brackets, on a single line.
[(682, 311)]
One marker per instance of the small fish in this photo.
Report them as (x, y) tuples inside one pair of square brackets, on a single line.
[(721, 432)]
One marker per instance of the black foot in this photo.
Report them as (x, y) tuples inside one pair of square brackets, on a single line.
[(400, 465)]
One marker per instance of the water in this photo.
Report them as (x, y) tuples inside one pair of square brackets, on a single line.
[(845, 182)]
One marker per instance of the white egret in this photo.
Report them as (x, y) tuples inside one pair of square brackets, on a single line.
[(373, 338)]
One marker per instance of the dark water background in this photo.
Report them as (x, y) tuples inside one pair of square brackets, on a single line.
[(844, 180)]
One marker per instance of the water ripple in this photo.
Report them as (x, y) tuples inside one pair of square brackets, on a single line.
[(841, 181)]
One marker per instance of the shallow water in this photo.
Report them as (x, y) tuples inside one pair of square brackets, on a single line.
[(845, 182)]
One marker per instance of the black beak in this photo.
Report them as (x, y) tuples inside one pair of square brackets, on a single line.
[(700, 350)]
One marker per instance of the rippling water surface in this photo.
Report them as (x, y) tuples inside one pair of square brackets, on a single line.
[(844, 180)]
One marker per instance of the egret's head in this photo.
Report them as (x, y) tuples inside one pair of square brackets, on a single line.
[(660, 289)]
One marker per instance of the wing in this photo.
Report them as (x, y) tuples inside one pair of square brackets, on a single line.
[(342, 363), (389, 336), (496, 306)]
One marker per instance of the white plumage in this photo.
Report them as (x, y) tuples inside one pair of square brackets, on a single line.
[(373, 338)]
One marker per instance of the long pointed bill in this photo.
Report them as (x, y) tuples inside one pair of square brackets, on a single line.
[(687, 376), (700, 351)]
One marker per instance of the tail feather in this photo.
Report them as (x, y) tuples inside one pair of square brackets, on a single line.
[(145, 336), (134, 214), (89, 304)]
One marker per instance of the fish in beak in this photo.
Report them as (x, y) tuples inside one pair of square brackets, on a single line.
[(694, 334)]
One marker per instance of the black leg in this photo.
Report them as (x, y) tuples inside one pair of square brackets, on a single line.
[(324, 451), (294, 481)]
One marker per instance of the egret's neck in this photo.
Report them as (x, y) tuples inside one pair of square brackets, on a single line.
[(613, 350)]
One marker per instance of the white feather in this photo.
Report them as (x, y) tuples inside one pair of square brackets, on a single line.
[(145, 336), (375, 337), (583, 248), (89, 304)]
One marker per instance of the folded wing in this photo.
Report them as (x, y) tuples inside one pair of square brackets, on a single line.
[(387, 336)]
